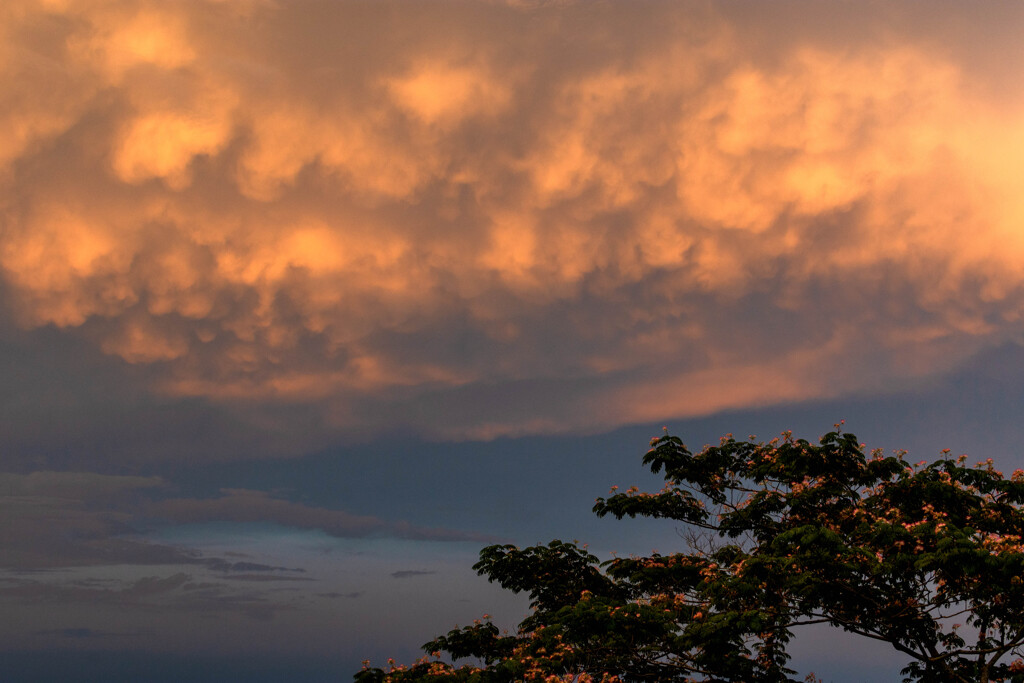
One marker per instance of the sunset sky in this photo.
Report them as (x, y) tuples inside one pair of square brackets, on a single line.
[(304, 302)]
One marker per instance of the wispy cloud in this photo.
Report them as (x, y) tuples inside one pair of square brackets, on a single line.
[(410, 573), (68, 519), (175, 593), (221, 565), (241, 505), (334, 596)]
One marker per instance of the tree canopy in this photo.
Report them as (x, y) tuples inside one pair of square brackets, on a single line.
[(927, 557)]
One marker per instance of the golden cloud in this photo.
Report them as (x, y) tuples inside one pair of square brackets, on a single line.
[(319, 201)]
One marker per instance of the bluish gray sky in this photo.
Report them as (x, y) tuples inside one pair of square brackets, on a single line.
[(302, 303)]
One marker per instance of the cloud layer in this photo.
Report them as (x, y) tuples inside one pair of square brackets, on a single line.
[(94, 562), (74, 519), (476, 219)]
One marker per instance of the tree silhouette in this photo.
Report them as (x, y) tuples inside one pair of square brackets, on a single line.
[(928, 558)]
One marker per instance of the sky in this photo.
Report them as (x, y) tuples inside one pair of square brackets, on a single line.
[(304, 302)]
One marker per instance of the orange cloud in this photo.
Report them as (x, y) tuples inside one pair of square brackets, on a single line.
[(121, 38), (410, 206), (440, 93)]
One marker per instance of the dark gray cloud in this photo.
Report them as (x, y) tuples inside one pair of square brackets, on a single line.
[(265, 578), (69, 519), (221, 565), (409, 573), (242, 505), (139, 591), (154, 595)]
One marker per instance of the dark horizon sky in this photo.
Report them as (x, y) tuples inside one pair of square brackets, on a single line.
[(302, 303)]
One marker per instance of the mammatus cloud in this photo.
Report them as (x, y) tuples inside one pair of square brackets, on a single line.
[(486, 219)]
